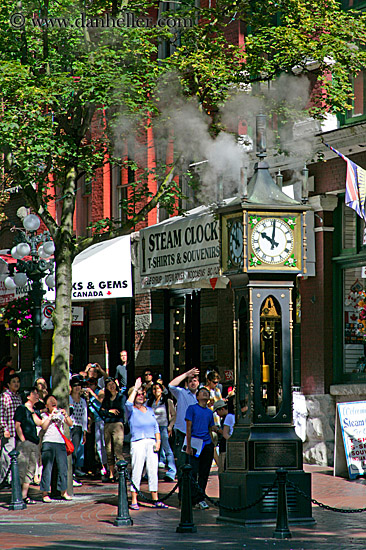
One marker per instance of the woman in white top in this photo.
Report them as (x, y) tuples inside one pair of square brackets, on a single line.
[(53, 448)]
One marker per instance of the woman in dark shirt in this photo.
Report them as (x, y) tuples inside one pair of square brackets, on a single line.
[(112, 412), (26, 422)]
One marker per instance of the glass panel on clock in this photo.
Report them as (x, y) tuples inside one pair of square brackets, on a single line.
[(243, 360), (271, 356)]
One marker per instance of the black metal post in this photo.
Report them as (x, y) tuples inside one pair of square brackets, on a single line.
[(282, 531), (17, 502), (123, 518), (37, 294), (186, 515)]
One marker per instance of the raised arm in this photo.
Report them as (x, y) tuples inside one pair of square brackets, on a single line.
[(137, 386), (178, 379)]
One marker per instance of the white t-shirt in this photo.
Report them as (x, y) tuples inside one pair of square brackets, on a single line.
[(230, 421), (52, 435)]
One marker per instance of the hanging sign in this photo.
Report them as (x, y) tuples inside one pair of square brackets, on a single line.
[(352, 417), (48, 308), (46, 316), (77, 316), (7, 295), (180, 250)]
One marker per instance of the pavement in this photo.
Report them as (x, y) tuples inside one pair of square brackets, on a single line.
[(86, 523)]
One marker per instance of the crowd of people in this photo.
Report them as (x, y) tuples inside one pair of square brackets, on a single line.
[(165, 426)]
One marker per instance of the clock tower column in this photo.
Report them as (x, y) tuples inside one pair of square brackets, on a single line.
[(263, 251)]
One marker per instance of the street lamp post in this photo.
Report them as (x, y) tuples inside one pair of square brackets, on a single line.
[(32, 272)]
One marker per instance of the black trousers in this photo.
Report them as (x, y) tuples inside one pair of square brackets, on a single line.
[(201, 467)]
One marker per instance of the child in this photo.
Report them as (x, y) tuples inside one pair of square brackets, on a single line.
[(200, 424)]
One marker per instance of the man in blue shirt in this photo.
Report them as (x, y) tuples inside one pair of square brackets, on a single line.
[(200, 424), (185, 397), (121, 371)]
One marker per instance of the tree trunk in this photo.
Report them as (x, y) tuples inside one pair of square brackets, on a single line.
[(62, 326), (64, 248)]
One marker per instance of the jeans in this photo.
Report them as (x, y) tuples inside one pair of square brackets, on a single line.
[(99, 442), (50, 453), (172, 470), (76, 433)]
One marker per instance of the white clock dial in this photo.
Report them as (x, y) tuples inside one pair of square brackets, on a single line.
[(272, 240), (236, 243)]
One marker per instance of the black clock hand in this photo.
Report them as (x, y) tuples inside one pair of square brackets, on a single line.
[(273, 235), (269, 239), (235, 239), (265, 236)]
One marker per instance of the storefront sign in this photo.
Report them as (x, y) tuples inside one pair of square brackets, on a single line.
[(299, 414), (180, 250), (77, 316), (48, 309), (352, 417), (7, 295), (101, 271)]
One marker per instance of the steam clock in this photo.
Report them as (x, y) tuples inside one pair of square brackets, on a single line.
[(263, 251)]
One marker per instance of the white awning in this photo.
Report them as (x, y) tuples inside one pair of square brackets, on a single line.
[(100, 272), (103, 271)]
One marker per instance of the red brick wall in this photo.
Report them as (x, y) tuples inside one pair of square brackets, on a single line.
[(317, 316)]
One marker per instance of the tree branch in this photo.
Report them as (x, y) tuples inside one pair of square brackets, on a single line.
[(85, 243)]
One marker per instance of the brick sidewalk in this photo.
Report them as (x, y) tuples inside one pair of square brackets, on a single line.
[(87, 522)]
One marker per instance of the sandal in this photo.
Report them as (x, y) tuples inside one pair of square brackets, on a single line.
[(66, 497), (135, 507), (28, 500), (159, 504), (46, 499)]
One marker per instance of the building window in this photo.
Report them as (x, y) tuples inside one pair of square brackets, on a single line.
[(354, 282), (353, 287), (184, 318)]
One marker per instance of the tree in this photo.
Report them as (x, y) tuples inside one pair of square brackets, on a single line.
[(59, 80), (56, 83)]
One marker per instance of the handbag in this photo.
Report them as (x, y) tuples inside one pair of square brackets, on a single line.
[(68, 444)]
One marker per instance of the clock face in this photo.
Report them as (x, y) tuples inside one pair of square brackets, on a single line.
[(272, 240), (236, 243)]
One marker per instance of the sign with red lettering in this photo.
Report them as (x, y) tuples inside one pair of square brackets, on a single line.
[(229, 375), (352, 417)]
